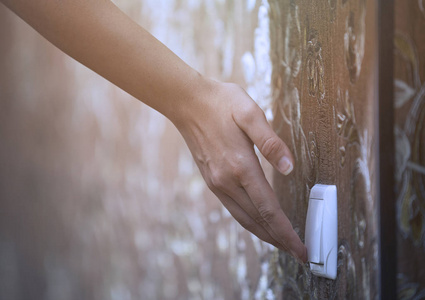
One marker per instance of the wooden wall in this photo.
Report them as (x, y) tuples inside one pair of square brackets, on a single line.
[(324, 56), (409, 84)]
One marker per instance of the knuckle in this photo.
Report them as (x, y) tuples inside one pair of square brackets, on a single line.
[(271, 146), (260, 220), (218, 180), (240, 168), (248, 113), (267, 213), (247, 224), (210, 184), (238, 172), (235, 86)]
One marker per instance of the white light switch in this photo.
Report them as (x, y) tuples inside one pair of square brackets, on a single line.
[(321, 231)]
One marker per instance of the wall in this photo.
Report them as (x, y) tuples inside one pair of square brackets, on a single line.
[(324, 56), (409, 76)]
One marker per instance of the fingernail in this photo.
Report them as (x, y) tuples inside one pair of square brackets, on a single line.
[(285, 166)]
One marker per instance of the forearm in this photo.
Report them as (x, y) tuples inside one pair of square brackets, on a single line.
[(103, 38)]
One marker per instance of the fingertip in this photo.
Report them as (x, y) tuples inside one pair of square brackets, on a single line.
[(299, 251), (304, 256), (300, 255), (285, 165)]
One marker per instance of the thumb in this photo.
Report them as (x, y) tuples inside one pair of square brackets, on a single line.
[(257, 128)]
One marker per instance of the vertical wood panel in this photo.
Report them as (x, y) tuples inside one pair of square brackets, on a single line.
[(325, 73), (409, 104)]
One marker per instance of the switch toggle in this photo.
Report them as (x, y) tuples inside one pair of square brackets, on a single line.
[(321, 231)]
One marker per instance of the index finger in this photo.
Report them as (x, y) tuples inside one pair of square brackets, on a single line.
[(267, 204)]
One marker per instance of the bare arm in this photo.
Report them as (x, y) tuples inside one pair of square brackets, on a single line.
[(103, 38), (219, 121)]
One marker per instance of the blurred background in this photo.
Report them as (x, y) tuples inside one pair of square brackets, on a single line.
[(99, 195)]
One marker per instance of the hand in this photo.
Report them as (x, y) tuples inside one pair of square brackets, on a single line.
[(220, 127)]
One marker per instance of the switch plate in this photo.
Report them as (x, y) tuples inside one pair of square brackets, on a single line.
[(321, 231)]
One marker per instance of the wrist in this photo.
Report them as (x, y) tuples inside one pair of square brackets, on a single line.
[(194, 103)]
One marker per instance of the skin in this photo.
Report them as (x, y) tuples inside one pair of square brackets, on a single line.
[(219, 121)]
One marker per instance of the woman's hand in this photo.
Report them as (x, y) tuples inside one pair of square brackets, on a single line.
[(220, 127)]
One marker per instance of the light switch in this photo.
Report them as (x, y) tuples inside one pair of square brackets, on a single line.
[(314, 234), (321, 231)]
